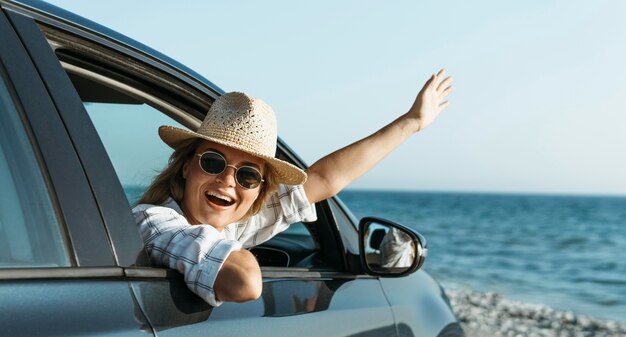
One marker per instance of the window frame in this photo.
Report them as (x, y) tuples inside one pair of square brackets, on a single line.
[(73, 202)]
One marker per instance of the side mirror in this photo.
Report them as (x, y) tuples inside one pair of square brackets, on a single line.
[(389, 249)]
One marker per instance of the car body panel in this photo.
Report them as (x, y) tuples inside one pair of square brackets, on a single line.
[(80, 307), (287, 307), (418, 303)]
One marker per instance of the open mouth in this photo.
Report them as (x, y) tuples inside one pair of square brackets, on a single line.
[(218, 199)]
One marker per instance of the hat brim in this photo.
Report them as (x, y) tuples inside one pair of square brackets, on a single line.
[(286, 173)]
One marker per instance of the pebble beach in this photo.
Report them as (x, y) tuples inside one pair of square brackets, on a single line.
[(490, 314)]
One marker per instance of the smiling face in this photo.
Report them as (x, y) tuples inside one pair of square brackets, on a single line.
[(218, 200)]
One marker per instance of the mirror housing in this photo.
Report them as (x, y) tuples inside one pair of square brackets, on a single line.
[(389, 249)]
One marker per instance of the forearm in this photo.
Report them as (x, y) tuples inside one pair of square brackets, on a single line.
[(332, 173), (239, 279)]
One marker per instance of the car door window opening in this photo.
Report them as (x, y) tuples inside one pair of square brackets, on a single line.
[(102, 93)]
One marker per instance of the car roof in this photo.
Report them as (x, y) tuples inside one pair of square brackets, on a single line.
[(52, 14)]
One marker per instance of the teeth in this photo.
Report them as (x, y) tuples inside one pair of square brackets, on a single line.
[(220, 196)]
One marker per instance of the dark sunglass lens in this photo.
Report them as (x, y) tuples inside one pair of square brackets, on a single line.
[(248, 177), (212, 163)]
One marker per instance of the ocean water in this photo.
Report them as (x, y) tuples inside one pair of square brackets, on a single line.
[(133, 193), (567, 252)]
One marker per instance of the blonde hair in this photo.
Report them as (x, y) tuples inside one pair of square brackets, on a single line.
[(171, 183)]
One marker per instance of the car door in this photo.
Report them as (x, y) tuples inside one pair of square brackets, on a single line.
[(128, 90), (58, 273)]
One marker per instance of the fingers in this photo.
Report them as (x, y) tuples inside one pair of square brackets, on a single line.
[(447, 82), (439, 85), (445, 92), (430, 82), (444, 88), (439, 81), (434, 80)]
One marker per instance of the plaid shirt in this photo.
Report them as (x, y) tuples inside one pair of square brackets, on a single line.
[(199, 251)]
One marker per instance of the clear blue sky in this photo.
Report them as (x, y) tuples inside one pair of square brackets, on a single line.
[(540, 86)]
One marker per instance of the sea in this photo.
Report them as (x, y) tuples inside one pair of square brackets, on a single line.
[(566, 252)]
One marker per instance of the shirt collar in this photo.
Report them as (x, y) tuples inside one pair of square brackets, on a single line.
[(171, 203)]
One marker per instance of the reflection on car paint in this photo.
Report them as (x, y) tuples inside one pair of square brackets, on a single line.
[(170, 304), (279, 298), (287, 298)]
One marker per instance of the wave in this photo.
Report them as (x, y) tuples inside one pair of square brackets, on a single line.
[(618, 282)]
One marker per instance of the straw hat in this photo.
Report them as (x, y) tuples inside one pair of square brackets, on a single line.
[(244, 123)]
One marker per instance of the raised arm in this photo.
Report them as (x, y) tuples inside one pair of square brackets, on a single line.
[(329, 175)]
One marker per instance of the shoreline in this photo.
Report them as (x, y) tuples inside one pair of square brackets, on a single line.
[(490, 314)]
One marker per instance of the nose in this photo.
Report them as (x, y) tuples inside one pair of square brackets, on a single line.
[(227, 177)]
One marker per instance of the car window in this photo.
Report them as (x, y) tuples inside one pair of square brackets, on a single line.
[(127, 126), (128, 132), (30, 235)]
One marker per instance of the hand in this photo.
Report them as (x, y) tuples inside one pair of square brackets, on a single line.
[(431, 100)]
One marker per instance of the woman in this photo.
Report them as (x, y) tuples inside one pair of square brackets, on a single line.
[(223, 190)]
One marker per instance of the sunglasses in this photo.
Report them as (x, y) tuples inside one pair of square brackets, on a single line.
[(214, 163)]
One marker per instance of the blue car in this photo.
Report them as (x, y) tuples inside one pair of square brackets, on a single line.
[(79, 104)]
